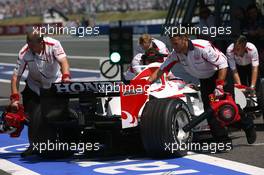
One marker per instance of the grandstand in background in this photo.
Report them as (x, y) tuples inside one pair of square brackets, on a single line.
[(24, 8)]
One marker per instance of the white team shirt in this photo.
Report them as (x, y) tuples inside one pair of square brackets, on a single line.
[(43, 68), (250, 57), (201, 61), (161, 47)]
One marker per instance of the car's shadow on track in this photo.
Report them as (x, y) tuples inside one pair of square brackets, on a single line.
[(102, 158), (128, 150), (131, 151), (121, 153), (76, 158)]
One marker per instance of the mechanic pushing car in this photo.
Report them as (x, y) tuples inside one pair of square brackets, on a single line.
[(146, 42), (46, 62), (151, 55), (244, 62), (203, 61)]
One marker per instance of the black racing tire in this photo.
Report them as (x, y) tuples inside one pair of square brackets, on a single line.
[(43, 132), (71, 132), (40, 132), (161, 126), (260, 96)]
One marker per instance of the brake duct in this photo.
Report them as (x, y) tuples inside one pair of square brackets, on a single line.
[(224, 109)]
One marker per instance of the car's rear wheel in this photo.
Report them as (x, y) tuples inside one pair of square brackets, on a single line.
[(49, 138), (161, 126), (40, 132)]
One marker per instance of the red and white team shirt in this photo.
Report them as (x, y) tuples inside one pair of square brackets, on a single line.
[(250, 57), (201, 61), (43, 68), (157, 44)]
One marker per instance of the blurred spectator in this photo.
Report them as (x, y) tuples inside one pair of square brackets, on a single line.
[(18, 8), (72, 24), (206, 20), (2, 10), (238, 22), (85, 22), (206, 17), (254, 26)]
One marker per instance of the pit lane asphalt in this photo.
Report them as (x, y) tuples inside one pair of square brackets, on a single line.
[(98, 47)]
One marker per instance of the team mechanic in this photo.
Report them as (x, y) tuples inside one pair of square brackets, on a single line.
[(146, 42), (47, 63), (244, 62), (203, 61)]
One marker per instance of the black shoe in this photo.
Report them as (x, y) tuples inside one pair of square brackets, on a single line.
[(251, 135), (28, 152)]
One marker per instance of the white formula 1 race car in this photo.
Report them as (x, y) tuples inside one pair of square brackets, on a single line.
[(103, 111), (155, 115)]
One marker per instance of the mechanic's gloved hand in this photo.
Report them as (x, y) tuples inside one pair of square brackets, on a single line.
[(251, 91), (14, 102), (14, 120), (66, 78), (219, 89)]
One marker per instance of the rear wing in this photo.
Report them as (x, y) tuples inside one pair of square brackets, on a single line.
[(85, 89)]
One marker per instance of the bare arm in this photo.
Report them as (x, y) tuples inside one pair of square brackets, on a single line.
[(65, 70), (14, 97), (254, 76), (15, 84), (155, 75), (222, 74), (164, 67), (17, 74), (236, 77), (65, 67)]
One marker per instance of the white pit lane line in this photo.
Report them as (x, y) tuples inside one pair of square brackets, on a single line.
[(224, 163), (72, 69), (68, 56), (15, 169), (257, 144), (4, 149), (9, 81)]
